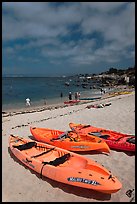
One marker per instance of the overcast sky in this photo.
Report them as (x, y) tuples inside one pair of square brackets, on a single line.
[(54, 39)]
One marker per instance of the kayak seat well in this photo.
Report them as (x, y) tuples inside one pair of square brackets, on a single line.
[(131, 140), (98, 134), (25, 146), (58, 161), (64, 160)]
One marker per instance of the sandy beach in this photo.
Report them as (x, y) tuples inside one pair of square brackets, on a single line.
[(20, 184)]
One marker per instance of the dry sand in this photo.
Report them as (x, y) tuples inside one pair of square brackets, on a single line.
[(19, 184)]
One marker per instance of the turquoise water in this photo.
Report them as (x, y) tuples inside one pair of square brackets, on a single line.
[(40, 89)]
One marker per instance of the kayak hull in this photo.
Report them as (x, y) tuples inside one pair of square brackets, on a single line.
[(63, 166)]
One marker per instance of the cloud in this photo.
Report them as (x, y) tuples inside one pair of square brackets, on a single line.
[(76, 33), (103, 6), (35, 20)]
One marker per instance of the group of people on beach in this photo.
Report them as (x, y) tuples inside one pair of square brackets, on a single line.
[(76, 95), (102, 91), (70, 95)]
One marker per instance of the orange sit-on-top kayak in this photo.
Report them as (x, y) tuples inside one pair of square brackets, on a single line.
[(69, 140), (115, 140), (63, 166)]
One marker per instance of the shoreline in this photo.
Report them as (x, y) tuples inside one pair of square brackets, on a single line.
[(58, 100), (40, 108), (57, 104)]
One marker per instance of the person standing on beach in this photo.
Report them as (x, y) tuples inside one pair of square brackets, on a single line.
[(61, 94), (70, 95), (27, 102), (76, 95), (104, 91), (101, 90)]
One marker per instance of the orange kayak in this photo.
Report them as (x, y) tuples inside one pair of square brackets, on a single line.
[(69, 140), (63, 166), (115, 140)]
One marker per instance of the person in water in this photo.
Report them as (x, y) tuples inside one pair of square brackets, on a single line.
[(76, 95), (70, 95), (61, 94), (28, 102)]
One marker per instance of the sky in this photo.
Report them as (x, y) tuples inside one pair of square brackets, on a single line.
[(67, 38)]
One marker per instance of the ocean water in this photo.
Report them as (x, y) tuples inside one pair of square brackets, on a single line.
[(40, 89)]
